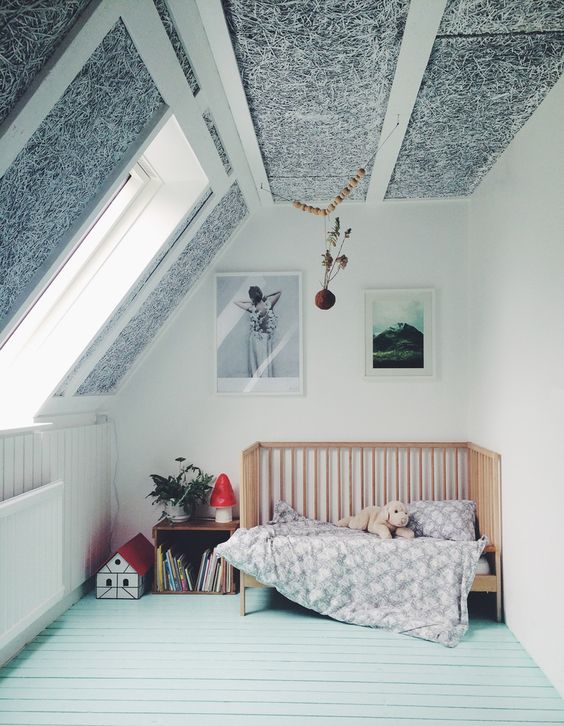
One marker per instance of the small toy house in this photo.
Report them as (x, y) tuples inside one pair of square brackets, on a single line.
[(125, 576)]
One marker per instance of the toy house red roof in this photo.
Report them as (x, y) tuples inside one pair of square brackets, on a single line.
[(139, 553)]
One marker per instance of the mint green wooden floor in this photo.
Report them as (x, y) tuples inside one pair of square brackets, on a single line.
[(194, 660)]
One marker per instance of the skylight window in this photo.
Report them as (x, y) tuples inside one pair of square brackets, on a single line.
[(82, 294)]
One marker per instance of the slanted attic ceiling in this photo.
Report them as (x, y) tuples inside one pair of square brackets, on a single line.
[(293, 94), (82, 101), (318, 74)]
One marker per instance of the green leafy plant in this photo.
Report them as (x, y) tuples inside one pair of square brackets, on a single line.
[(189, 487)]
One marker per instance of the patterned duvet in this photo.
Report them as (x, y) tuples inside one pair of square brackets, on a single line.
[(416, 587)]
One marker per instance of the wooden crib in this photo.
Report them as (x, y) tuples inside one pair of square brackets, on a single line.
[(328, 480)]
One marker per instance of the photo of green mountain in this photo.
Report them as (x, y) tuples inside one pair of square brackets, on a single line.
[(399, 346), (398, 332)]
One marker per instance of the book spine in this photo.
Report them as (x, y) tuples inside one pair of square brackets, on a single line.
[(213, 572), (206, 573), (202, 572), (169, 576), (160, 568), (189, 580), (172, 580), (182, 575)]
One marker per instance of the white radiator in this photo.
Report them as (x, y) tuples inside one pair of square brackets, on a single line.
[(36, 571), (31, 557), (81, 457)]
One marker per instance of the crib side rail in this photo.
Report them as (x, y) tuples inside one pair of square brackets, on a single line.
[(484, 470), (331, 479)]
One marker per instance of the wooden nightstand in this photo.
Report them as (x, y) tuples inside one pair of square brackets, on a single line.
[(189, 541)]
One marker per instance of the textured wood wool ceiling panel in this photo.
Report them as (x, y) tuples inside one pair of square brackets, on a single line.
[(492, 64), (30, 32), (317, 75)]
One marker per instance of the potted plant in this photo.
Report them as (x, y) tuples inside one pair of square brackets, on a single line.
[(325, 299), (179, 494)]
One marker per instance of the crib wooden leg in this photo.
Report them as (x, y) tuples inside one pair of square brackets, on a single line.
[(498, 605), (242, 598), (498, 601)]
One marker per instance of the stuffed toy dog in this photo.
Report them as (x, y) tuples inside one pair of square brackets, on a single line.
[(383, 521)]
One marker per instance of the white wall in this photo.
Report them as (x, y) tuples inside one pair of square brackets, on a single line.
[(168, 407), (516, 301)]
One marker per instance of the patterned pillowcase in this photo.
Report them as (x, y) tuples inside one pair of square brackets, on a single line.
[(283, 513), (452, 519)]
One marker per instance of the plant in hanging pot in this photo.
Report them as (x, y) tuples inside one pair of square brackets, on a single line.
[(325, 299), (179, 494)]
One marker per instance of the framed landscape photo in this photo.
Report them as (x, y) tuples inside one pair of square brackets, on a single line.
[(258, 333), (399, 332)]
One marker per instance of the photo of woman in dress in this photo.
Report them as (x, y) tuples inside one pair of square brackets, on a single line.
[(258, 332), (262, 328)]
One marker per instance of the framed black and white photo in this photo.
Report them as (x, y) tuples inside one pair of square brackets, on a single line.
[(399, 332), (258, 333)]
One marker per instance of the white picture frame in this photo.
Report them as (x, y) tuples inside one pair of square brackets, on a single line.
[(258, 348), (399, 332)]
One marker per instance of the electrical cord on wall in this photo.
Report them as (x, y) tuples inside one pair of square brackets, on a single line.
[(114, 516)]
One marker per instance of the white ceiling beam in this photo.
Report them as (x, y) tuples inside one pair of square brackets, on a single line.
[(53, 80), (212, 94), (421, 28), (147, 32), (215, 26)]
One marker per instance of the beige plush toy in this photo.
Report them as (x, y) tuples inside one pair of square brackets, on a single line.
[(383, 521)]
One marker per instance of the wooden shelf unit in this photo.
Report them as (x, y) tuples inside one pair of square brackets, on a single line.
[(193, 538)]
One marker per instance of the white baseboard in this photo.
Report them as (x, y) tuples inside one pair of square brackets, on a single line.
[(11, 649)]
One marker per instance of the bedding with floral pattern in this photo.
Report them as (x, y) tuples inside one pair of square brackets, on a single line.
[(417, 587)]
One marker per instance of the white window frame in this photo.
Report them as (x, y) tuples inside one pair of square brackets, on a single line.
[(84, 290), (82, 263)]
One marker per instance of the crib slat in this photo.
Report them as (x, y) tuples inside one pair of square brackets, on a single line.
[(444, 473), (373, 477), (408, 475), (292, 464), (362, 499), (304, 481), (270, 495), (282, 475), (397, 474), (420, 474), (316, 483), (385, 492), (340, 499), (351, 486)]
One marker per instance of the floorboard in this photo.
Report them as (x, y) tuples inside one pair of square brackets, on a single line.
[(182, 660)]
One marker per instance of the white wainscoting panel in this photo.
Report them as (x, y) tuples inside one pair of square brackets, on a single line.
[(31, 557), (54, 552)]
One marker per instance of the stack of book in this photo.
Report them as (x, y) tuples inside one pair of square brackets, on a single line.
[(214, 574), (176, 574)]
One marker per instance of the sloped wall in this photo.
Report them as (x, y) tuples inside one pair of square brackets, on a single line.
[(86, 96), (516, 301), (168, 407), (45, 192), (197, 254)]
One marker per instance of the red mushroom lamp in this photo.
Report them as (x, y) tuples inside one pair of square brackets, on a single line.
[(223, 499)]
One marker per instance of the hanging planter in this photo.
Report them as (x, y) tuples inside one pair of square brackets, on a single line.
[(325, 299)]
